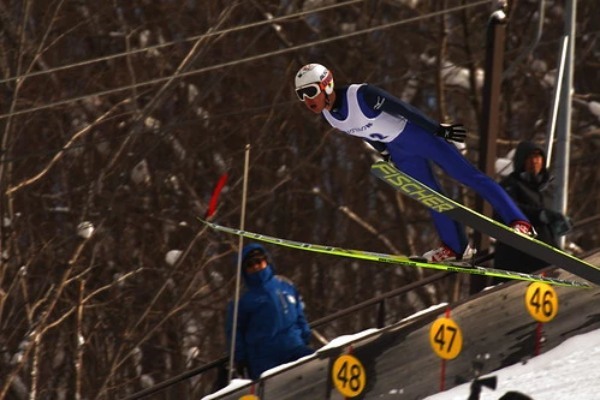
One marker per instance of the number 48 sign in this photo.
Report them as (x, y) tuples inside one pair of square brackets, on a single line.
[(445, 338), (348, 375)]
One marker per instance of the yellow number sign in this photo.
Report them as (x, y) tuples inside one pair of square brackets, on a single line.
[(541, 301), (445, 338), (348, 375), (249, 397)]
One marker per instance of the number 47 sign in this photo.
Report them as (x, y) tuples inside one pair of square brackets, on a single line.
[(445, 338)]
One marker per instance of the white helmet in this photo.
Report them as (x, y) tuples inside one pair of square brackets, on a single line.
[(315, 73)]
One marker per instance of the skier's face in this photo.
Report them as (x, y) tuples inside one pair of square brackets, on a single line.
[(314, 98), (316, 104)]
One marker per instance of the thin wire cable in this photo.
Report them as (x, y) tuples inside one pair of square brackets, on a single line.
[(179, 123), (175, 42), (551, 129), (243, 60), (239, 267)]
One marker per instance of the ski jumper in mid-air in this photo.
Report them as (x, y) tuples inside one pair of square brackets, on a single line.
[(410, 140)]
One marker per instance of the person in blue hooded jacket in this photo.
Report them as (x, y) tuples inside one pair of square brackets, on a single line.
[(271, 326)]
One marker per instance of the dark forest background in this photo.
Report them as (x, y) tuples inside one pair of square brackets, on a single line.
[(125, 114)]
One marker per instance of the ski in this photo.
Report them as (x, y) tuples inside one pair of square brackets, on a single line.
[(461, 267), (411, 187)]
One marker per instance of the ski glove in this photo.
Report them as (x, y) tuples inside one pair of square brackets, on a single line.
[(241, 369), (559, 224), (387, 157), (454, 132), (381, 149)]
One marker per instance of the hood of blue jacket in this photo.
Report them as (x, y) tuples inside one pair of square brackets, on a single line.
[(259, 278)]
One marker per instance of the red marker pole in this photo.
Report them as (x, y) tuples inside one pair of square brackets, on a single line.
[(214, 199), (443, 366)]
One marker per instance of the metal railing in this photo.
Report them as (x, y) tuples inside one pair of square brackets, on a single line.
[(378, 300)]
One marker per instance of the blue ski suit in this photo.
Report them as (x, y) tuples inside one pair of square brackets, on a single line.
[(388, 123), (271, 327)]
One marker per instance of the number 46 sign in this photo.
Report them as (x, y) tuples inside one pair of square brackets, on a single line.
[(541, 301)]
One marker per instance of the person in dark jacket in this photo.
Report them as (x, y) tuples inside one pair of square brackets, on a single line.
[(529, 185), (271, 326)]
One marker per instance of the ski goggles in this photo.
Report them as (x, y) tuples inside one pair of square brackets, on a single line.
[(309, 91)]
